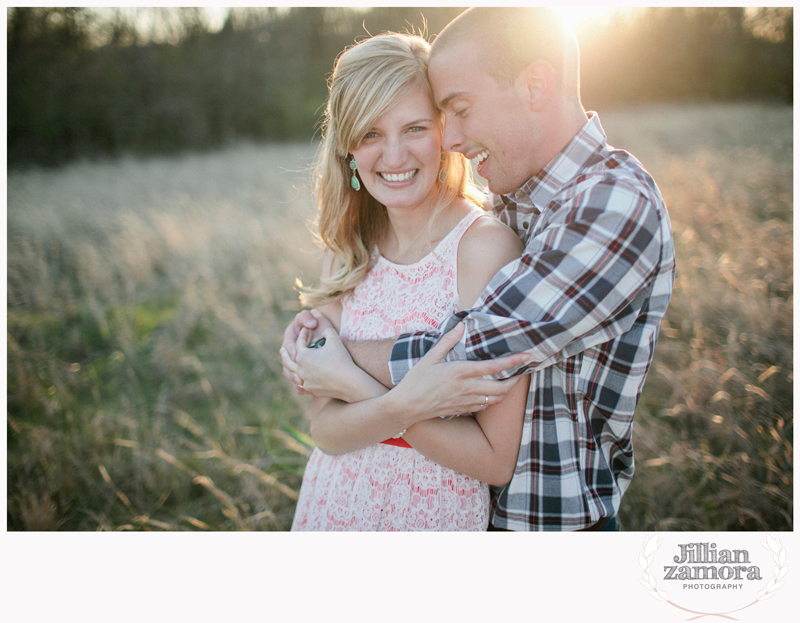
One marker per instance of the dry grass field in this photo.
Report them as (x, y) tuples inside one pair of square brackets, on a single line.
[(147, 300)]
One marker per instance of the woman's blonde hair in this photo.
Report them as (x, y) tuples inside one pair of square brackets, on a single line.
[(368, 79)]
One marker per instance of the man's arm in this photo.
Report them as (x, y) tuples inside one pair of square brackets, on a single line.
[(582, 281), (371, 413), (485, 447), (452, 382)]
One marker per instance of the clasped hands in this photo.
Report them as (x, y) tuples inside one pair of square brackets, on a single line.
[(434, 387)]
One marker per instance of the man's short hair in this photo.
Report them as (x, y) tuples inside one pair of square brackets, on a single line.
[(510, 38)]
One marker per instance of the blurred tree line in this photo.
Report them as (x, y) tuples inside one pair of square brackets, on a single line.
[(680, 54), (86, 82)]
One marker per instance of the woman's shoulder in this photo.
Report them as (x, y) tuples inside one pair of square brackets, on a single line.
[(489, 237), (485, 248)]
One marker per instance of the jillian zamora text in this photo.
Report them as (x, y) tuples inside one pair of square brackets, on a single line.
[(702, 561)]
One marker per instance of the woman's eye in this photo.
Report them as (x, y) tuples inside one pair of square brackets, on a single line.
[(460, 113), (370, 135), (417, 128)]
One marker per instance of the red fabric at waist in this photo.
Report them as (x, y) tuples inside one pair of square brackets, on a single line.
[(400, 443)]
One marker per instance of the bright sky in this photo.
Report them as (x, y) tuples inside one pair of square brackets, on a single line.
[(573, 15)]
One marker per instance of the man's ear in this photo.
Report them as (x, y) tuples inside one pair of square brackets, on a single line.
[(538, 81)]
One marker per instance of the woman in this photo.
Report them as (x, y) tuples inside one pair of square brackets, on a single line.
[(406, 246)]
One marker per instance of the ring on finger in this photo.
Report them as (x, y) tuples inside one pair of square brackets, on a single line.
[(485, 402)]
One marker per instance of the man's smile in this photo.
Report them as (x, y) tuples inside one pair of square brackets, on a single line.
[(480, 159)]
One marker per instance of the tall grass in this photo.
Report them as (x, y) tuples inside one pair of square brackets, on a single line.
[(714, 429), (147, 301)]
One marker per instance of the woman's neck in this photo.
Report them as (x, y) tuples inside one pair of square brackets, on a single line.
[(412, 233)]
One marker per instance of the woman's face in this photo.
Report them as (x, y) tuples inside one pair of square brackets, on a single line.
[(398, 159)]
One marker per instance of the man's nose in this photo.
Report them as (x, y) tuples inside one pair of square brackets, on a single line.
[(451, 138)]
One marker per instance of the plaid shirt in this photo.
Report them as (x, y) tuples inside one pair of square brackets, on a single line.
[(585, 300)]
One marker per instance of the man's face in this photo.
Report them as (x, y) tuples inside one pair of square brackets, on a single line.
[(491, 124)]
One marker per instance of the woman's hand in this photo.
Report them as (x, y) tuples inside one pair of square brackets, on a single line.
[(329, 371), (438, 388), (314, 321)]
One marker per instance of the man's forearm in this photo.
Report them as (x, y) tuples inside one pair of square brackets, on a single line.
[(372, 356)]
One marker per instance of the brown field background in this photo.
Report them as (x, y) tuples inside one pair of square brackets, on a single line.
[(147, 300)]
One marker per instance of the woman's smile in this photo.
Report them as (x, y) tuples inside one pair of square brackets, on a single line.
[(398, 177)]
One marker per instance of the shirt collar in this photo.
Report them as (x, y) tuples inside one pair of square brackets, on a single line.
[(579, 153)]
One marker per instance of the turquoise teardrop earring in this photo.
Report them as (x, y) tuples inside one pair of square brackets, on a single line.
[(443, 172), (356, 185)]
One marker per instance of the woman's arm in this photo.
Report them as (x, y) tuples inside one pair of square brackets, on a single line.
[(434, 389), (339, 413), (342, 425), (486, 446)]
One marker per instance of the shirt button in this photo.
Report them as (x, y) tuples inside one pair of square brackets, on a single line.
[(524, 224)]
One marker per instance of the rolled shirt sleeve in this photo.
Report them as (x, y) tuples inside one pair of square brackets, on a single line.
[(581, 281)]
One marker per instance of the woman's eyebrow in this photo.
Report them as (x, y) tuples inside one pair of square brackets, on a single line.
[(423, 120)]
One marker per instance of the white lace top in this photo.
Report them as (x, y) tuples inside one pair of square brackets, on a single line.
[(385, 487), (404, 298)]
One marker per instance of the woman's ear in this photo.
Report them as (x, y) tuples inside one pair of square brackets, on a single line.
[(538, 81)]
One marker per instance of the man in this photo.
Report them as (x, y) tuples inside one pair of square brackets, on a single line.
[(586, 298)]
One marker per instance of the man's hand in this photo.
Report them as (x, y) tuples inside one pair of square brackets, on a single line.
[(438, 388), (315, 322)]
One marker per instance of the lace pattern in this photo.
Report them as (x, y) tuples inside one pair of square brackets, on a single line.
[(384, 487), (387, 488)]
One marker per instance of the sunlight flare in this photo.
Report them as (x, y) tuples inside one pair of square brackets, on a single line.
[(575, 15)]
